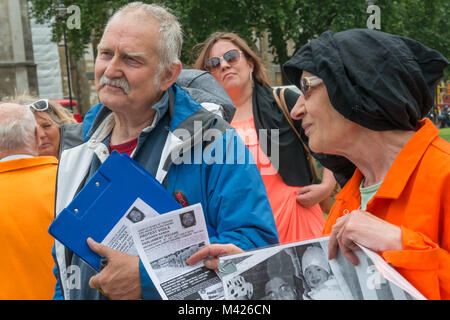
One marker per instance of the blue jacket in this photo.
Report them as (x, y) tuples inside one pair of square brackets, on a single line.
[(217, 171)]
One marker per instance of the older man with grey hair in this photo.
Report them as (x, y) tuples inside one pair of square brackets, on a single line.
[(18, 132), (27, 188), (145, 114)]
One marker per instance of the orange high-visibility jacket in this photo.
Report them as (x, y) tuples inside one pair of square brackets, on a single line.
[(27, 199), (415, 195)]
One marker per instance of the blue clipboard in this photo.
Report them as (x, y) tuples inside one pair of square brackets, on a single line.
[(103, 201)]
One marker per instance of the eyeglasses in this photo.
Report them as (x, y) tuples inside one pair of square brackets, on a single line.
[(231, 57), (306, 83), (39, 105)]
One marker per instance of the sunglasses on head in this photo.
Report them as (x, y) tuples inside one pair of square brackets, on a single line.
[(306, 83), (39, 105), (231, 57)]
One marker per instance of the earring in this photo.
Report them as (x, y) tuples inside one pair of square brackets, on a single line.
[(251, 79)]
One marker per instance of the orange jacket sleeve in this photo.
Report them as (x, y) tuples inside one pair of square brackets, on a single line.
[(422, 262)]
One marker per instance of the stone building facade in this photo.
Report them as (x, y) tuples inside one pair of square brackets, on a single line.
[(17, 66)]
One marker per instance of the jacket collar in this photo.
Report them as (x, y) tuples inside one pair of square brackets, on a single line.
[(186, 115), (161, 108), (402, 168)]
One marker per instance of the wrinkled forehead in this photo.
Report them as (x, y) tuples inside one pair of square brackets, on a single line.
[(131, 33), (42, 115), (221, 47)]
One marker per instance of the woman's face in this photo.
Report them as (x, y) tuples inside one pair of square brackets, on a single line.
[(48, 135), (326, 128), (231, 76)]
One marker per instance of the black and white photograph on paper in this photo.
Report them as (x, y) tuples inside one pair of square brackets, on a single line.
[(164, 245), (135, 215), (290, 273), (120, 238), (176, 259), (187, 219), (319, 281), (302, 271)]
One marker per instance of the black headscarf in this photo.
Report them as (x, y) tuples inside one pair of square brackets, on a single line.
[(378, 80), (267, 115), (293, 165)]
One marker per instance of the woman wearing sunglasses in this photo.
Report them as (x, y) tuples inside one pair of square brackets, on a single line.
[(50, 117), (237, 68), (366, 94)]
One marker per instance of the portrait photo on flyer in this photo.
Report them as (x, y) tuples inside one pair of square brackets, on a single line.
[(165, 242)]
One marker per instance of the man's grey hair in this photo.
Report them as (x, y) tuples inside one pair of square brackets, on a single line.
[(17, 127), (170, 37)]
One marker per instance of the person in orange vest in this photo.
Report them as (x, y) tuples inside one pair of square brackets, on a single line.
[(365, 94), (27, 196)]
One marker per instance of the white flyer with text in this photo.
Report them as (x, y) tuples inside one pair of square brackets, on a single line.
[(119, 238), (165, 242)]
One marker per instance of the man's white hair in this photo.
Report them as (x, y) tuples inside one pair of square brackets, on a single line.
[(17, 127), (170, 33)]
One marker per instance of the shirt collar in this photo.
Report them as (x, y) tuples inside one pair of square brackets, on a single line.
[(407, 160), (107, 124), (401, 169), (16, 156)]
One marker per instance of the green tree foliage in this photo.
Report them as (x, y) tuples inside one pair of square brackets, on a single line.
[(283, 20)]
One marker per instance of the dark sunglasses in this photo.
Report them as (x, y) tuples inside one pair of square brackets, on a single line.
[(39, 105), (231, 57), (306, 83)]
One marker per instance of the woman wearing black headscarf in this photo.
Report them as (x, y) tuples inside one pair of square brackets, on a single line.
[(365, 94)]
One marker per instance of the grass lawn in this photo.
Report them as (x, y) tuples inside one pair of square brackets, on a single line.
[(445, 133)]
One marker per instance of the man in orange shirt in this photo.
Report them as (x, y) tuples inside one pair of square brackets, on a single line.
[(365, 93), (27, 192)]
